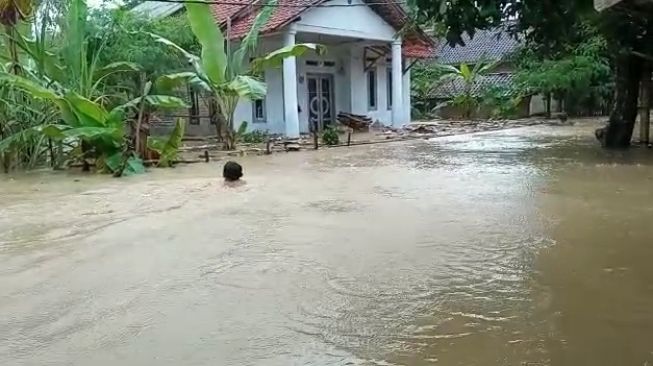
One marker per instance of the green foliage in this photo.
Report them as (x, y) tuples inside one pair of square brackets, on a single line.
[(80, 92), (254, 137), (502, 101), (466, 99), (168, 149), (538, 20), (126, 38), (330, 136), (580, 73), (424, 77)]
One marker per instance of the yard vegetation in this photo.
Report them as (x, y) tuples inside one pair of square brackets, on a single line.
[(79, 86)]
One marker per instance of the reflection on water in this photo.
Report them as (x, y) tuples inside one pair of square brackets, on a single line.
[(529, 246)]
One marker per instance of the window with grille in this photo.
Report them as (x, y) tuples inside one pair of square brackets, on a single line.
[(371, 89)]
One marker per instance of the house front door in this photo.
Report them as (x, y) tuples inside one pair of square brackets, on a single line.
[(320, 101)]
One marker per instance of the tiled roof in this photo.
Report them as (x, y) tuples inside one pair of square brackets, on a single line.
[(452, 88), (491, 45), (242, 13), (416, 43)]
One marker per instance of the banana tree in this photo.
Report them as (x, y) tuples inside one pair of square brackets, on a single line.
[(468, 77), (89, 122), (12, 12), (223, 72)]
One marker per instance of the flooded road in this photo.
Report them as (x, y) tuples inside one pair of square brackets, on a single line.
[(522, 247)]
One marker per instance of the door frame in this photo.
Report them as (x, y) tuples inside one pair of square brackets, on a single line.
[(332, 90)]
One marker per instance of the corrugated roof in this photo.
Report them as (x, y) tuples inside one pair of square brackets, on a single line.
[(157, 9), (457, 86), (491, 45)]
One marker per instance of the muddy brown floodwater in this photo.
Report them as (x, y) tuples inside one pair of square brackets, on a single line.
[(522, 247)]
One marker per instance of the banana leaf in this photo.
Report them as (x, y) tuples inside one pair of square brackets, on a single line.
[(171, 82), (87, 111), (117, 164), (168, 149), (248, 87), (30, 87), (154, 101), (275, 58), (59, 132), (209, 35)]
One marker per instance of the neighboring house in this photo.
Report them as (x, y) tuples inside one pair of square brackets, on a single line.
[(492, 45), (601, 5), (366, 69)]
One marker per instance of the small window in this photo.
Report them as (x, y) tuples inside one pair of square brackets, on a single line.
[(194, 111), (312, 63), (258, 107), (371, 89), (329, 63), (389, 87)]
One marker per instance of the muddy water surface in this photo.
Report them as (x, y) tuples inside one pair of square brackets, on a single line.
[(528, 246)]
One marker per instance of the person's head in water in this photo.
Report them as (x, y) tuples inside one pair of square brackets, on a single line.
[(232, 171)]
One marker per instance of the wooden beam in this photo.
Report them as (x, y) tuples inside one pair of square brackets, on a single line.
[(410, 66), (369, 62)]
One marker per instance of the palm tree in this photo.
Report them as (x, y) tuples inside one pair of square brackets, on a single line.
[(469, 78)]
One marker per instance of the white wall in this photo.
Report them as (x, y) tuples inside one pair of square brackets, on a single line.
[(538, 105), (359, 94), (336, 54), (273, 100), (354, 22)]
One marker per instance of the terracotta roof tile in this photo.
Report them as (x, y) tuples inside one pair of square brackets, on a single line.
[(223, 12), (416, 44)]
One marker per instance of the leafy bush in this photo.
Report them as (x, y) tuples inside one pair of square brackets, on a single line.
[(424, 77), (168, 149), (502, 101), (254, 137), (330, 136)]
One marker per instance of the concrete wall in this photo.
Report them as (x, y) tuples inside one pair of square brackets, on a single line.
[(538, 105), (353, 22)]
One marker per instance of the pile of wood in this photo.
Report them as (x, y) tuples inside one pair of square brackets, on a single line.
[(354, 121)]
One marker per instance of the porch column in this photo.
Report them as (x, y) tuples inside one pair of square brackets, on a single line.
[(397, 84), (291, 114)]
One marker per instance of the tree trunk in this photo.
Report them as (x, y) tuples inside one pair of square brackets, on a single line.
[(645, 104), (619, 131), (561, 104), (216, 118), (548, 105)]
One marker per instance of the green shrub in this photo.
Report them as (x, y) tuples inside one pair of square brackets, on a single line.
[(503, 101), (254, 137), (330, 136)]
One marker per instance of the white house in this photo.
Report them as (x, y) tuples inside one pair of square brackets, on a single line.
[(366, 69)]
